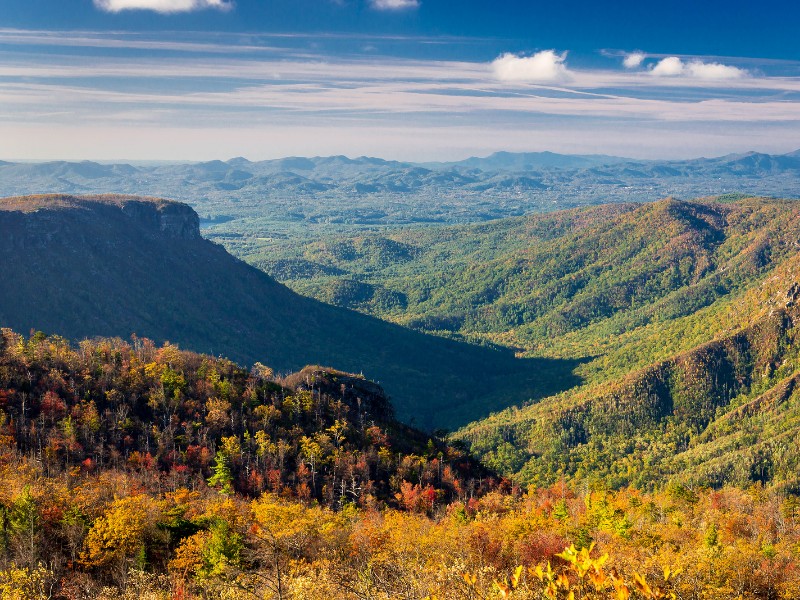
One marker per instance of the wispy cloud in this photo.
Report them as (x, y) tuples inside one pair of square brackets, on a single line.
[(546, 66), (394, 4), (162, 6), (188, 100), (130, 41), (672, 66)]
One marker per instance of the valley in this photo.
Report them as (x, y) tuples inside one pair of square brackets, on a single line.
[(118, 265), (635, 294), (594, 373), (522, 336)]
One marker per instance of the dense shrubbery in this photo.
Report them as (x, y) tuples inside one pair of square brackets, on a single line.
[(136, 471), (114, 533)]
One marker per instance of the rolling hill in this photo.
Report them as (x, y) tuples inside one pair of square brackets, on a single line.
[(660, 338)]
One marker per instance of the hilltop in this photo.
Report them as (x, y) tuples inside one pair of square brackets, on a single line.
[(113, 405)]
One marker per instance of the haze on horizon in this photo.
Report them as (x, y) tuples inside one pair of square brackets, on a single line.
[(411, 80)]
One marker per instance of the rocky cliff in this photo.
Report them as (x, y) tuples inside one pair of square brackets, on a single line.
[(44, 215)]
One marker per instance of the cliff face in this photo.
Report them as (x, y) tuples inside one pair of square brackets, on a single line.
[(173, 219), (38, 220)]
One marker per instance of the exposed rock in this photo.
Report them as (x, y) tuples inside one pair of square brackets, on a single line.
[(176, 220)]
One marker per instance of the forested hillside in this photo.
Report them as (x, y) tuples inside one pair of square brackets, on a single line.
[(318, 434), (681, 315), (706, 399), (660, 337), (552, 284), (723, 413), (132, 470), (92, 428), (118, 265)]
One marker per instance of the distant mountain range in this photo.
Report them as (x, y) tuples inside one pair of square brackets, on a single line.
[(368, 191), (531, 161)]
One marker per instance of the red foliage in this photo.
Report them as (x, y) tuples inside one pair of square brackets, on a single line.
[(415, 498), (274, 480), (143, 462), (540, 547), (255, 482), (52, 406)]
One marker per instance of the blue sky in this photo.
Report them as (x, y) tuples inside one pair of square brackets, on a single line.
[(407, 79)]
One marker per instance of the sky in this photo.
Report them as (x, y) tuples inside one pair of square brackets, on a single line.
[(402, 79)]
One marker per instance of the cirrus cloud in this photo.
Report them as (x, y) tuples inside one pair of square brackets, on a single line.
[(394, 4), (544, 66), (162, 6), (672, 66)]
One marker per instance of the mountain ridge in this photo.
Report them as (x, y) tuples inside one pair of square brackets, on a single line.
[(678, 313), (85, 267)]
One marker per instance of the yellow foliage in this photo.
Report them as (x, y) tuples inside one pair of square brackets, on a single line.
[(120, 532), (289, 523), (217, 412), (23, 584), (189, 555), (230, 446)]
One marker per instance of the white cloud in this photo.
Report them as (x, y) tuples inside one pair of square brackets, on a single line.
[(673, 66), (544, 66), (229, 103), (633, 60), (703, 70), (394, 4), (669, 67), (162, 6)]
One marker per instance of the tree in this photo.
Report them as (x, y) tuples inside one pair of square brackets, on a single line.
[(118, 539)]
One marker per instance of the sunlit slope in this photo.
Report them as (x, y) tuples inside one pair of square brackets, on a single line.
[(582, 283), (677, 313), (725, 411)]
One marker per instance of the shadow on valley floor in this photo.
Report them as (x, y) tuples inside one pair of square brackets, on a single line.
[(503, 382)]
